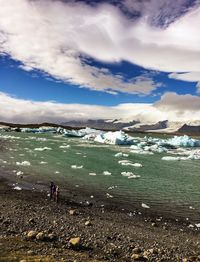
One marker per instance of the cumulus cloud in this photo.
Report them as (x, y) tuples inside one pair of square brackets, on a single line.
[(182, 106), (53, 37), (171, 106)]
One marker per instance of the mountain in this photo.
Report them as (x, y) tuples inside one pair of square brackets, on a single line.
[(113, 124)]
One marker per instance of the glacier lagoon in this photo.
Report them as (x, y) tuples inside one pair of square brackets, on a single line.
[(132, 176)]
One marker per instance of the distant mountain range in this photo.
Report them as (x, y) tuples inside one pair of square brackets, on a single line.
[(136, 126), (190, 128)]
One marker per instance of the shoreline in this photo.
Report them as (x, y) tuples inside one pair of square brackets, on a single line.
[(108, 230)]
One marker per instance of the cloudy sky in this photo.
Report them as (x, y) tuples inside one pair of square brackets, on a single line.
[(62, 60)]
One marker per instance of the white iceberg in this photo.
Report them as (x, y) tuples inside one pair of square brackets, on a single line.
[(23, 163), (120, 154), (92, 174), (42, 148), (129, 175), (76, 167), (107, 173), (114, 138)]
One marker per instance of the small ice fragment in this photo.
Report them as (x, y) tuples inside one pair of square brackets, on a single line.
[(17, 188), (57, 172), (19, 173), (43, 162), (145, 206), (92, 174), (197, 225), (91, 196), (108, 195), (23, 163), (191, 207), (191, 226), (76, 167), (107, 173), (78, 153), (64, 146), (42, 148), (120, 154)]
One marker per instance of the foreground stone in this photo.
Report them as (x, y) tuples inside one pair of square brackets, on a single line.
[(75, 242)]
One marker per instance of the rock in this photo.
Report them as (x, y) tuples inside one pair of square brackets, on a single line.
[(72, 212), (40, 236), (51, 237), (88, 223), (30, 252), (138, 257), (75, 242), (137, 250), (31, 234)]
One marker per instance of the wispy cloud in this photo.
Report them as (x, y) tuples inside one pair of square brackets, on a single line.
[(171, 106)]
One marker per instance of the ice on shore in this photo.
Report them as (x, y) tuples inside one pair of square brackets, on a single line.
[(19, 173), (145, 206), (23, 163), (17, 188), (76, 167)]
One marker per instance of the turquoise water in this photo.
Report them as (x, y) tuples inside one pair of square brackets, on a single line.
[(172, 187)]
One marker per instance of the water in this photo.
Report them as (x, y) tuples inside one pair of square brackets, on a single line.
[(171, 188)]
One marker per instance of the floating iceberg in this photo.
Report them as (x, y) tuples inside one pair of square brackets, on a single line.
[(64, 146), (114, 138), (107, 173), (76, 167), (129, 175), (42, 148), (129, 163), (120, 154), (23, 163), (92, 174), (183, 141)]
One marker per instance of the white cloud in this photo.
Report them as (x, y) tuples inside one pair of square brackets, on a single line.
[(171, 106), (53, 36), (56, 37)]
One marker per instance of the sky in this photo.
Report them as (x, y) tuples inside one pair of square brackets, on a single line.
[(119, 59)]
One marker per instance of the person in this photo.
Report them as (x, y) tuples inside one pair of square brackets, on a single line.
[(51, 189), (57, 193)]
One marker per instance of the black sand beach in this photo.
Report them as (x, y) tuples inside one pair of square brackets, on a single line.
[(105, 233)]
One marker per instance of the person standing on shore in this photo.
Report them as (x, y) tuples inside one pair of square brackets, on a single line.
[(51, 189), (57, 194)]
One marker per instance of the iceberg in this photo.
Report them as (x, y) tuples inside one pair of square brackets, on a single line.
[(114, 138), (76, 167), (120, 154), (129, 175), (183, 141), (23, 163), (42, 148), (107, 173)]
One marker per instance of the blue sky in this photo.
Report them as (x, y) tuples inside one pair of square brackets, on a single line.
[(100, 53)]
